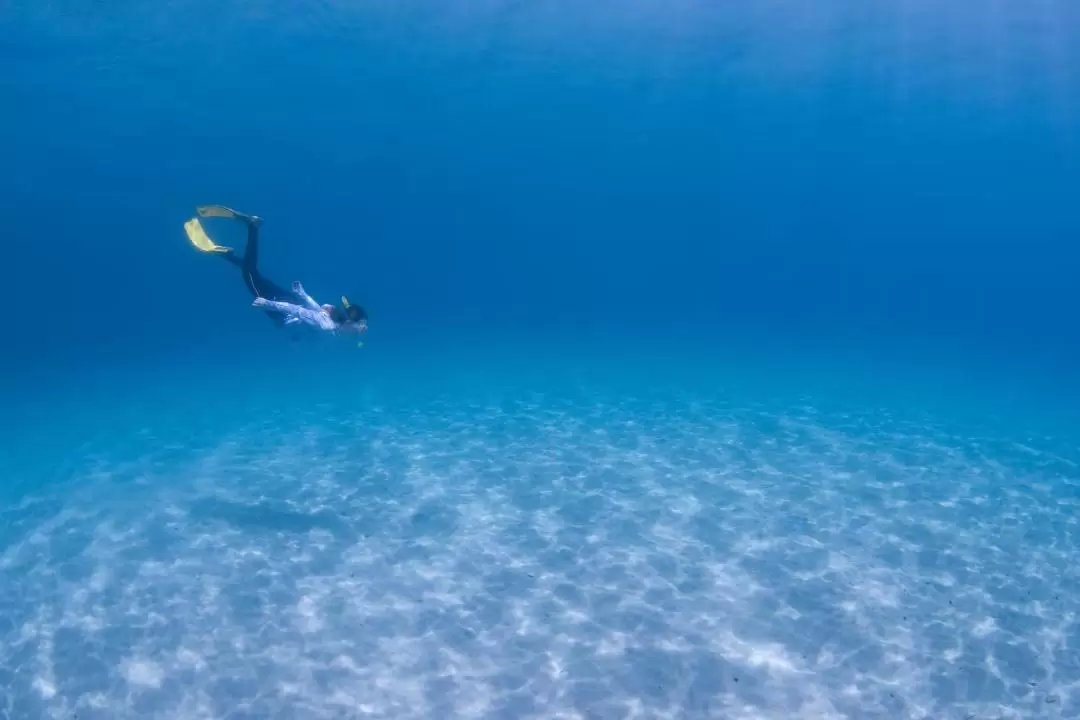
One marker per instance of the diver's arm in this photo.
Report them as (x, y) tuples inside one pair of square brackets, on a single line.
[(308, 301)]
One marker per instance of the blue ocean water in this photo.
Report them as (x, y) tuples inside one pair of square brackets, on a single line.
[(722, 361)]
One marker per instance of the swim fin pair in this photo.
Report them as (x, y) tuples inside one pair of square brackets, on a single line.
[(197, 235)]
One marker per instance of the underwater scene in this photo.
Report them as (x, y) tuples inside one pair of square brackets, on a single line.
[(508, 359)]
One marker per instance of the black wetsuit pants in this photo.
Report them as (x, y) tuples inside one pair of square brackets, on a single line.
[(256, 283)]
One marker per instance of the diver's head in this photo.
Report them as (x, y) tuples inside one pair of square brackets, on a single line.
[(354, 313)]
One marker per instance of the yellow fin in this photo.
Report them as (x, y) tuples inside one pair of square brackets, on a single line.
[(218, 211), (200, 239)]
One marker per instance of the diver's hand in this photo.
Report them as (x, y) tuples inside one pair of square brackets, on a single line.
[(260, 302), (298, 288)]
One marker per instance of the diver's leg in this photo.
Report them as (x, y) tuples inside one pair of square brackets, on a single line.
[(250, 266), (256, 283), (231, 257), (246, 262), (251, 250)]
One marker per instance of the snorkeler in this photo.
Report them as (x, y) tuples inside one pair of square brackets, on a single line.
[(271, 297)]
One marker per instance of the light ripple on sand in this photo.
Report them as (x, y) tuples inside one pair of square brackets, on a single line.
[(553, 559)]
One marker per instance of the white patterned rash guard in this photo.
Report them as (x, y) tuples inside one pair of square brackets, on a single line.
[(310, 313), (295, 313)]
